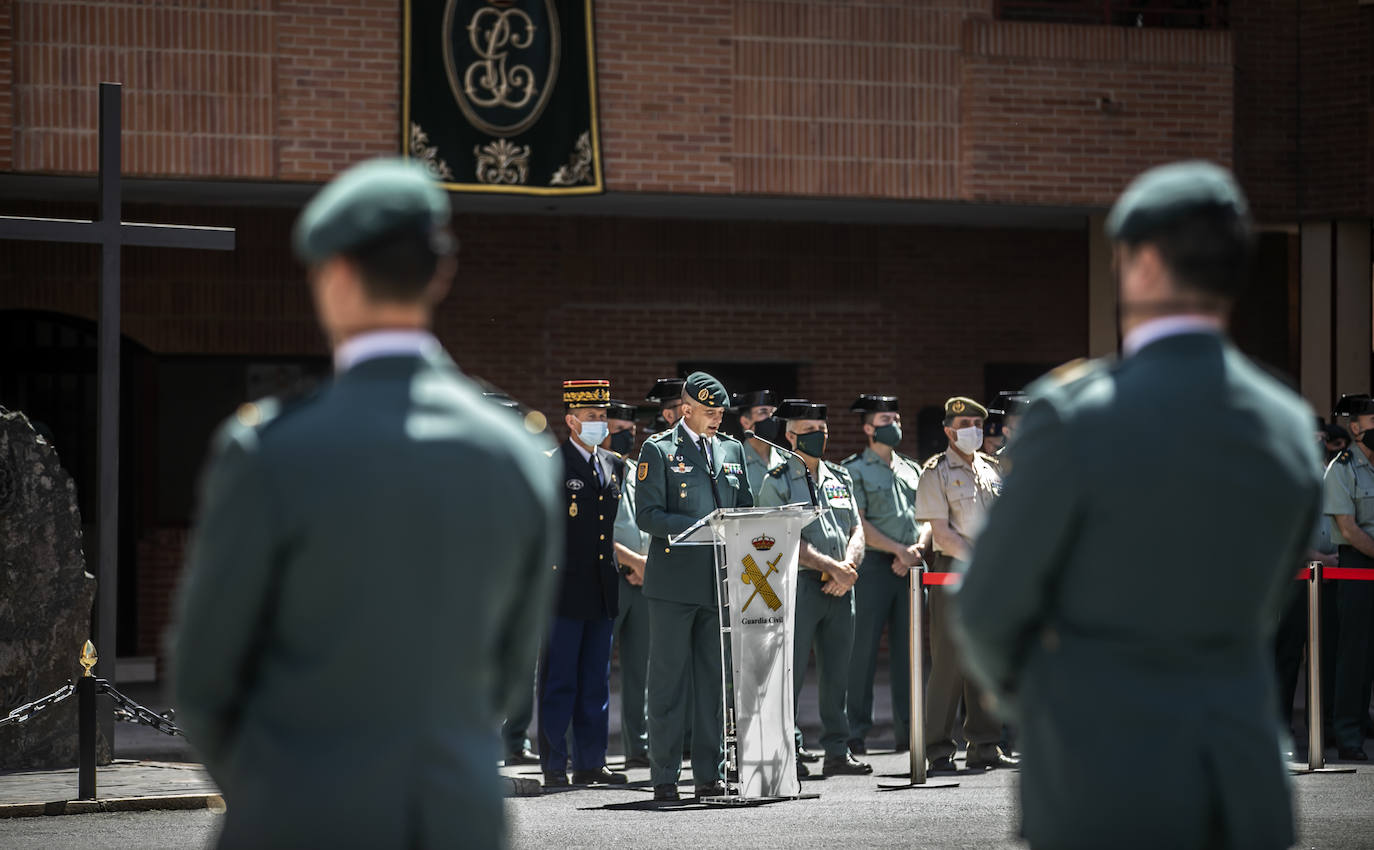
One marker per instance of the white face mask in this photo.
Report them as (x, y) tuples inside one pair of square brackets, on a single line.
[(968, 440), (593, 433)]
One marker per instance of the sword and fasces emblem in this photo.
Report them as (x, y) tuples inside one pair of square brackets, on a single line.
[(758, 579)]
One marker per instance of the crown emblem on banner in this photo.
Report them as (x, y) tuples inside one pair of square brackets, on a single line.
[(763, 542)]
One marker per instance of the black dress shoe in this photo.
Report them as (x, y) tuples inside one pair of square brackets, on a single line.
[(856, 746), (846, 765), (555, 780), (1351, 754), (809, 756), (710, 789), (944, 765), (802, 770), (636, 761), (666, 793), (600, 776), (522, 756), (991, 760)]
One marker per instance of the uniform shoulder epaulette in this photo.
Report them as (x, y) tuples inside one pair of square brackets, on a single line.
[(910, 460), (1343, 457), (777, 471), (933, 461), (987, 456), (836, 468), (551, 452), (263, 412), (851, 459)]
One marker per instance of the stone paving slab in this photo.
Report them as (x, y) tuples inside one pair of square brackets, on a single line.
[(122, 786)]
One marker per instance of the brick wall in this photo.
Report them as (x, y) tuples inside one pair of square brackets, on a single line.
[(879, 98), (1266, 104), (1337, 44), (6, 85), (1037, 124), (916, 311)]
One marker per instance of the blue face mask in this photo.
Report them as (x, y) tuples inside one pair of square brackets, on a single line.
[(594, 433)]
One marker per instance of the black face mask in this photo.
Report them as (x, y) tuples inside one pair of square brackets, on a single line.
[(1368, 439), (771, 429), (622, 441)]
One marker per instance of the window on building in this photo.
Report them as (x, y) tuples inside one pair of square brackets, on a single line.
[(1176, 14)]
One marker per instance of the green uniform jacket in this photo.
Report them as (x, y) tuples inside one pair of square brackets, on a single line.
[(673, 491), (1124, 594), (828, 533), (886, 494), (364, 596)]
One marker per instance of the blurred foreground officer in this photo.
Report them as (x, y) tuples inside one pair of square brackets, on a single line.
[(957, 488), (1141, 676), (575, 668), (884, 491), (632, 622), (831, 549), (1348, 498), (684, 474), (342, 559)]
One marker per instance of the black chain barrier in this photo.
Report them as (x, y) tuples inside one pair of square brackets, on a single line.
[(27, 710), (125, 709)]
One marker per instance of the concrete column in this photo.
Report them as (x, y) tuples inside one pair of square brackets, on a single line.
[(1337, 303), (1103, 332)]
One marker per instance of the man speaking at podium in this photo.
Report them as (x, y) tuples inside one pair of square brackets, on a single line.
[(684, 474)]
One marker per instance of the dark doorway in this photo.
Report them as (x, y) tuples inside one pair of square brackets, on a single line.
[(48, 372)]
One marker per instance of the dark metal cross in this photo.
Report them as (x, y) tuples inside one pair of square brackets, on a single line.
[(111, 234)]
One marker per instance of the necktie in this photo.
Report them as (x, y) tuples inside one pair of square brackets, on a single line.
[(706, 453), (596, 470)]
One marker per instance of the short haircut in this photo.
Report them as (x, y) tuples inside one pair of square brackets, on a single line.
[(399, 266), (1207, 251), (866, 417)]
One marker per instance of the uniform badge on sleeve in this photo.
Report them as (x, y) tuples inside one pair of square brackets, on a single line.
[(643, 470)]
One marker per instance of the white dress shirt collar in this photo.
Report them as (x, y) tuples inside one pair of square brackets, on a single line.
[(374, 344), (1156, 329)]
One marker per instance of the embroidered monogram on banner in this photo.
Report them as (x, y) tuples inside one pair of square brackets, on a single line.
[(500, 95)]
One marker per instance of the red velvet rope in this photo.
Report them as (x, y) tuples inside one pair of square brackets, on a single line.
[(1345, 573)]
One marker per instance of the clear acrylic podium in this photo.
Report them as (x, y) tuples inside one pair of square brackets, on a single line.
[(756, 592)]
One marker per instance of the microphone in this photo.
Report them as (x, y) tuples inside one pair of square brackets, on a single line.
[(810, 482)]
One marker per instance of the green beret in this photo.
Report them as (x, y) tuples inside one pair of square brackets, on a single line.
[(704, 389), (961, 406), (366, 202), (1155, 199)]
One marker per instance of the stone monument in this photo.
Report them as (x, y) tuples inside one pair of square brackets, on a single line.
[(45, 599)]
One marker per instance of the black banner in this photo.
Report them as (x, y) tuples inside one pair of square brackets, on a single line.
[(500, 95)]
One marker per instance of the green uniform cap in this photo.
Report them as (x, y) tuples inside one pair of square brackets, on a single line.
[(962, 406), (704, 389), (1155, 199), (368, 201)]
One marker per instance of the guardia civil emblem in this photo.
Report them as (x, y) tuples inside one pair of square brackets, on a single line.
[(502, 61)]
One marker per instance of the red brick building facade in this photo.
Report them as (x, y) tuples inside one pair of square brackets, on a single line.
[(872, 195)]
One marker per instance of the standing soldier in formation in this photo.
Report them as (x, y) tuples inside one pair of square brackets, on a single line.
[(667, 394), (884, 492), (958, 486), (684, 474), (340, 540), (1140, 677), (632, 623), (1348, 498), (574, 676), (831, 549), (755, 410), (1010, 405)]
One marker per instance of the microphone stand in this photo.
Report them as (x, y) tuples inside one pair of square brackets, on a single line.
[(810, 482)]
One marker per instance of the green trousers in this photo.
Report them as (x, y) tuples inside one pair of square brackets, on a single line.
[(825, 623), (632, 640), (881, 600), (684, 680), (947, 685)]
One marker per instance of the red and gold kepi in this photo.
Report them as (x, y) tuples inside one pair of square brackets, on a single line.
[(586, 393)]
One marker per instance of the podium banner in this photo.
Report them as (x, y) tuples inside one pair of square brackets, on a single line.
[(760, 553)]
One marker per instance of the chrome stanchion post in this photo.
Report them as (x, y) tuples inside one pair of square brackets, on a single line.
[(1316, 747), (918, 681), (917, 739)]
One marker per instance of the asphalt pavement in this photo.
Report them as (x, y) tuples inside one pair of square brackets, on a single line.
[(1335, 811)]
